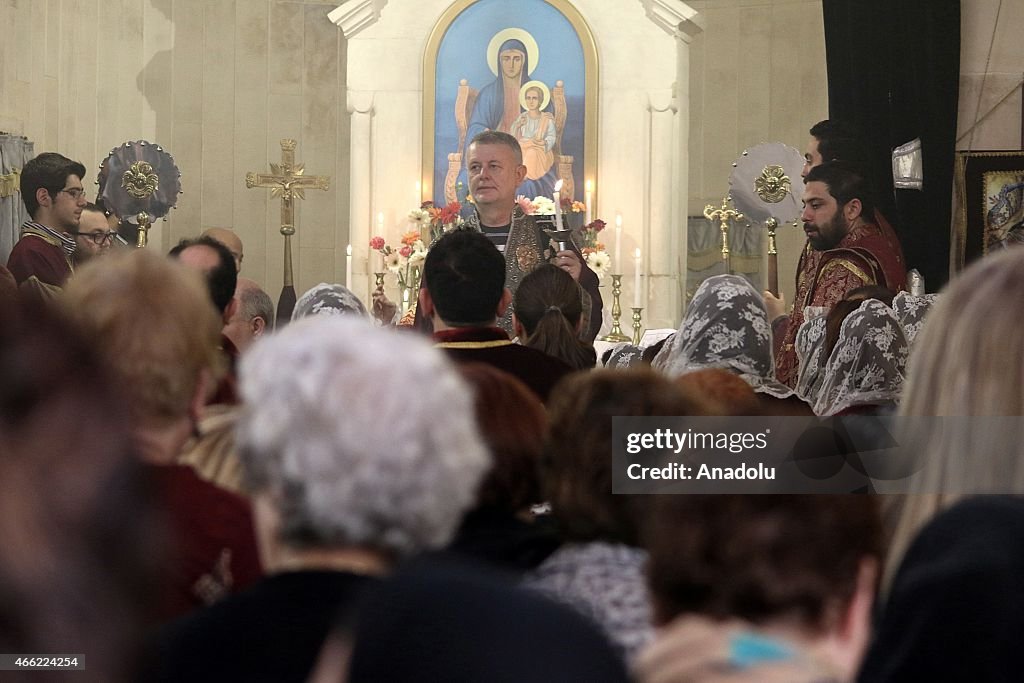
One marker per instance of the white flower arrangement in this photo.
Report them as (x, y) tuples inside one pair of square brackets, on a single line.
[(393, 261), (600, 262), (419, 253), (543, 206), (420, 218)]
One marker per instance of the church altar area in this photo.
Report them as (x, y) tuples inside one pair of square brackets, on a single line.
[(641, 119)]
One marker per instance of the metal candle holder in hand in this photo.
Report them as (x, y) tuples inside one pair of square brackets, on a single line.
[(561, 238)]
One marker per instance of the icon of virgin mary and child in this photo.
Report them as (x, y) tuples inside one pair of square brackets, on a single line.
[(521, 107)]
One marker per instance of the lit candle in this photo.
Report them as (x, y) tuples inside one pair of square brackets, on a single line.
[(617, 263), (558, 205), (419, 194), (637, 299), (589, 198), (348, 266)]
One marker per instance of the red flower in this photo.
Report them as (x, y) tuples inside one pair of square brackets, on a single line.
[(597, 225), (405, 251), (449, 213), (377, 243)]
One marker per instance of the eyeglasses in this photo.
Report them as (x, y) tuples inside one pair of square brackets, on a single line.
[(96, 237), (75, 193)]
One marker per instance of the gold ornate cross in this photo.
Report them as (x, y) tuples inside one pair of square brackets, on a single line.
[(723, 215), (286, 181)]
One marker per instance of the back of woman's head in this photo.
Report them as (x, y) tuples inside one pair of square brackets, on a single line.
[(722, 392), (330, 436), (548, 306), (725, 326), (760, 558), (868, 363), (970, 357), (955, 599), (577, 464), (328, 299), (850, 303), (969, 361), (83, 547), (513, 424)]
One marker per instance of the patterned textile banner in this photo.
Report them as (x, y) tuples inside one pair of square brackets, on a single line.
[(14, 152)]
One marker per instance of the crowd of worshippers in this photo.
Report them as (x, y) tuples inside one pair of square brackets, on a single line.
[(192, 493)]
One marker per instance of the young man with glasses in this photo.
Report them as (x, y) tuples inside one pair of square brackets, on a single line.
[(93, 237), (51, 187)]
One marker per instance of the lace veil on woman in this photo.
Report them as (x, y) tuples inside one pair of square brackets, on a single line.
[(726, 326), (867, 365)]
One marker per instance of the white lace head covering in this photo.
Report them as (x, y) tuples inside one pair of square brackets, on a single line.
[(625, 355), (911, 311), (867, 365), (725, 326), (810, 348), (325, 299)]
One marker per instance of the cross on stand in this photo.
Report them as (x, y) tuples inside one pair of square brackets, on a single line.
[(286, 181), (723, 215)]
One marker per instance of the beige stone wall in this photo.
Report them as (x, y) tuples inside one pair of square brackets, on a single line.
[(217, 83), (757, 75), (991, 71)]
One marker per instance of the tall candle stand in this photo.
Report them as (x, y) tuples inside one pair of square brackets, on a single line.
[(616, 334), (637, 325)]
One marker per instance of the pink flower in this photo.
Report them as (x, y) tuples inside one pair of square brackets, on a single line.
[(525, 204), (377, 243), (405, 251)]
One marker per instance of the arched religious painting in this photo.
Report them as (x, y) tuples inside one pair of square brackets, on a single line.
[(528, 68)]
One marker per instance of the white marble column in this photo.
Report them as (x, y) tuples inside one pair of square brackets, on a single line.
[(668, 195), (660, 181), (360, 109), (352, 17), (685, 32)]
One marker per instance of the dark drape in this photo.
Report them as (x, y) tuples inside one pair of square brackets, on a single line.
[(893, 72)]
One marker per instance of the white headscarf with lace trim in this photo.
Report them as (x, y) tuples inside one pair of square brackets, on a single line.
[(867, 365), (810, 347), (726, 326), (911, 311), (327, 299)]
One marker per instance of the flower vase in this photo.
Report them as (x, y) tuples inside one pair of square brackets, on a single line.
[(417, 275)]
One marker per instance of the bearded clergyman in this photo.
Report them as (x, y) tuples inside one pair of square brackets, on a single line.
[(846, 248)]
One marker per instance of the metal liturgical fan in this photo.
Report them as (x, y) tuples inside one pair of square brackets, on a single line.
[(767, 188), (140, 183)]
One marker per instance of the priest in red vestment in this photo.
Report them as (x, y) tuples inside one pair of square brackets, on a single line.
[(849, 245)]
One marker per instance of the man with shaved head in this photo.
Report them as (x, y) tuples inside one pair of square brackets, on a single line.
[(230, 240)]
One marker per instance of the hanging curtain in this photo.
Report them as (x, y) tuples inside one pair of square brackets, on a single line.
[(894, 72), (14, 152)]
